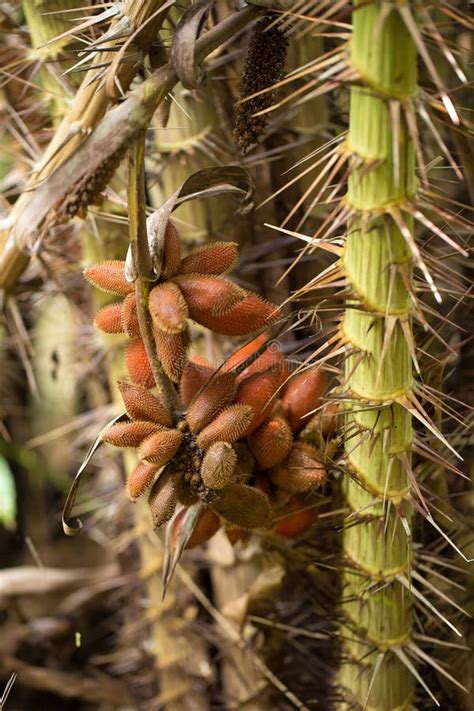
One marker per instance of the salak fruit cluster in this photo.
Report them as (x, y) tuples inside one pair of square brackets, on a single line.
[(190, 288), (235, 445)]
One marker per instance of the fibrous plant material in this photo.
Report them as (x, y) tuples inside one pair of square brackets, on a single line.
[(264, 66), (378, 265), (109, 136), (102, 85)]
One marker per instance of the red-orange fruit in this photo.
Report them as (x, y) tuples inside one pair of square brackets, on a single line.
[(172, 252), (301, 472), (302, 395), (109, 319), (218, 465), (244, 506), (137, 364), (140, 479), (128, 434), (212, 259), (236, 534), (229, 426), (196, 373), (249, 315), (130, 316), (162, 499), (208, 295), (172, 350), (270, 359), (160, 447), (109, 276), (241, 354), (207, 525), (294, 518), (168, 308), (259, 392), (140, 404), (215, 394), (271, 443)]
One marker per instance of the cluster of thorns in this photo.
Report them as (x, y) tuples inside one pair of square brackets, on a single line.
[(239, 445)]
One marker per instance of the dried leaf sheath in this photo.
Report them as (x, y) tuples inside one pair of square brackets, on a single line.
[(376, 606)]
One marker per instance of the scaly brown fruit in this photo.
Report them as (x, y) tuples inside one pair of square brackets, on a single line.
[(172, 252), (214, 395), (195, 375), (110, 277), (172, 351), (137, 363), (248, 316), (162, 499), (301, 472), (294, 518), (212, 259), (129, 434), (160, 447), (259, 391), (229, 426), (168, 308), (271, 443), (244, 506), (208, 296), (301, 397), (109, 319), (141, 479), (218, 465), (208, 524), (130, 324), (140, 404)]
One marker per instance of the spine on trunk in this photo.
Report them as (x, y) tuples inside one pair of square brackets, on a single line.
[(376, 325)]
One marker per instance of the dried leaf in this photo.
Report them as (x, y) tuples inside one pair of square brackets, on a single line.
[(185, 36)]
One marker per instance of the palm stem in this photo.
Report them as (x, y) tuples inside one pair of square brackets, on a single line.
[(378, 430)]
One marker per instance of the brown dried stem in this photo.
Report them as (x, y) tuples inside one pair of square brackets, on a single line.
[(142, 263), (109, 136)]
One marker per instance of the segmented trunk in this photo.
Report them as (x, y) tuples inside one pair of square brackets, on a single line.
[(378, 431)]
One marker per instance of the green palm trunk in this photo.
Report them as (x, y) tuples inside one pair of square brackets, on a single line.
[(378, 431)]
